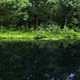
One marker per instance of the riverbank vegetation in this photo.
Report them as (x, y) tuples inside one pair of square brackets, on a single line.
[(38, 34)]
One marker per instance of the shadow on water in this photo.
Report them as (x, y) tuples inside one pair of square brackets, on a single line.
[(39, 60)]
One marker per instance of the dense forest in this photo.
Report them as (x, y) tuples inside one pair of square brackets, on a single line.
[(39, 39), (39, 12)]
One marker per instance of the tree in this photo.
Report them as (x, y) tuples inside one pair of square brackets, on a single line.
[(68, 8), (41, 11), (12, 11)]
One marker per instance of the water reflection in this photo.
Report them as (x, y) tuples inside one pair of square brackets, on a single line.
[(47, 60)]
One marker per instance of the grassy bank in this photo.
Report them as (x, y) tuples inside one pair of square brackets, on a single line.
[(20, 35)]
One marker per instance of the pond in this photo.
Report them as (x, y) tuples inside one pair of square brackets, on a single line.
[(39, 60)]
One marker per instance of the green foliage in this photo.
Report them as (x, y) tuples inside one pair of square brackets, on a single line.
[(71, 11), (32, 13), (71, 3), (12, 11), (40, 11), (49, 33), (40, 35)]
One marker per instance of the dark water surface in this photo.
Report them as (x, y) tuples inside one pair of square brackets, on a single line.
[(39, 60)]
